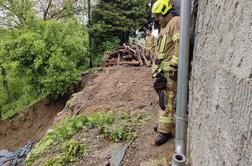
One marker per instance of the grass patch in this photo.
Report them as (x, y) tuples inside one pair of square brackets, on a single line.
[(117, 133), (115, 127), (68, 152), (57, 135)]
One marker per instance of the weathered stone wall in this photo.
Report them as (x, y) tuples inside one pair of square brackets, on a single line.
[(220, 102)]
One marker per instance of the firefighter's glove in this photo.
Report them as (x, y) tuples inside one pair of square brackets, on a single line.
[(160, 83)]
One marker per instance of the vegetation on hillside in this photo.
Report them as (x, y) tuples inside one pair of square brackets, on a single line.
[(44, 44), (111, 126)]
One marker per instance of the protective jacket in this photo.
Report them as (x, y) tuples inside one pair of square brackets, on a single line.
[(149, 42), (168, 45), (167, 55)]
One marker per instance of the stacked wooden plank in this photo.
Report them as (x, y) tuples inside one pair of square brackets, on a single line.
[(125, 54)]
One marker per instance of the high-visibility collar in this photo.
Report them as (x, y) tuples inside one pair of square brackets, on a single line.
[(166, 20)]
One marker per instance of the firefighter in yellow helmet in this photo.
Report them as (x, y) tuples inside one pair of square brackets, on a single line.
[(149, 44), (165, 67)]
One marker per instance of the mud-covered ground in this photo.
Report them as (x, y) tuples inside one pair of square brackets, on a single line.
[(118, 89)]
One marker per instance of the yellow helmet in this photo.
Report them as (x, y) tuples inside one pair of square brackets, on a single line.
[(161, 6)]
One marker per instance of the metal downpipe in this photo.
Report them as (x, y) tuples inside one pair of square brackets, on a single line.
[(179, 158)]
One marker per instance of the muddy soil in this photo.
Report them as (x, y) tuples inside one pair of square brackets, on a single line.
[(33, 122), (120, 89)]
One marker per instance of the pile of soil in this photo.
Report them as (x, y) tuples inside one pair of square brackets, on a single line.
[(120, 89)]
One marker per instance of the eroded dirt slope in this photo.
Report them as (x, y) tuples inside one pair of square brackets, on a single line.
[(117, 89), (31, 124), (120, 89)]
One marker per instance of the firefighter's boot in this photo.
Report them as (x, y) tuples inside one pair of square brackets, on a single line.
[(162, 138)]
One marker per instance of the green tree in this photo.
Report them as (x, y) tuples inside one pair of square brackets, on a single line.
[(38, 56), (50, 53), (58, 9), (15, 13), (114, 19), (117, 18)]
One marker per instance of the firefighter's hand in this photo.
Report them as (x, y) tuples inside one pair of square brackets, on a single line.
[(160, 82)]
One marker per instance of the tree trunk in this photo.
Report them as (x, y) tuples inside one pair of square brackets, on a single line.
[(90, 37), (124, 37), (5, 81)]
